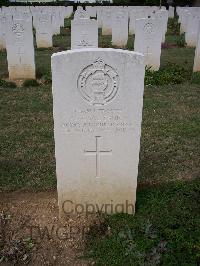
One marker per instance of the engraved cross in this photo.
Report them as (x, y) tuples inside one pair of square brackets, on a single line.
[(97, 154), (20, 53), (147, 53)]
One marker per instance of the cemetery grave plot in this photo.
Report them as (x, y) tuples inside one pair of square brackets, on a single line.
[(168, 169)]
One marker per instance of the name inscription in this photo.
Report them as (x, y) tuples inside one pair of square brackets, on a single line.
[(98, 120)]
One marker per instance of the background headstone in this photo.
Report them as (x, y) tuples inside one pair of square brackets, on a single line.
[(44, 31), (197, 54), (148, 40), (106, 21), (2, 30), (84, 33), (20, 49), (120, 28)]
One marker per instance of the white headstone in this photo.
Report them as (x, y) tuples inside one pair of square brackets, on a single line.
[(20, 49), (84, 33), (22, 13), (81, 14), (120, 28), (2, 30), (171, 12), (56, 22), (162, 16), (68, 11), (197, 54), (62, 16), (184, 15), (97, 106), (191, 34), (44, 30), (148, 38), (79, 8), (92, 11), (99, 16), (138, 14), (106, 21), (132, 20)]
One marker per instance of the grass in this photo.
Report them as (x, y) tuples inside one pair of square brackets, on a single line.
[(170, 74), (165, 227), (30, 83), (43, 62), (7, 84), (104, 41), (130, 43), (27, 148), (63, 42), (196, 78), (164, 231), (183, 57), (173, 26), (171, 39), (170, 134), (3, 65)]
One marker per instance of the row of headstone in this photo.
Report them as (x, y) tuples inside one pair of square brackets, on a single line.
[(46, 21), (148, 24), (189, 18), (16, 35)]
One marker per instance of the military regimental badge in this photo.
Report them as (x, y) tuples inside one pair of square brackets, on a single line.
[(18, 29), (149, 28), (98, 83)]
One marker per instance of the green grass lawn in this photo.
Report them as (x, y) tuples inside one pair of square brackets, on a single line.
[(165, 227), (169, 143), (164, 231)]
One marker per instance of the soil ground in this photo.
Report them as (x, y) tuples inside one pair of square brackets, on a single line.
[(27, 216)]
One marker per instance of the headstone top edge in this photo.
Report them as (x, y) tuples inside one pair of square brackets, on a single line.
[(147, 19), (85, 50)]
